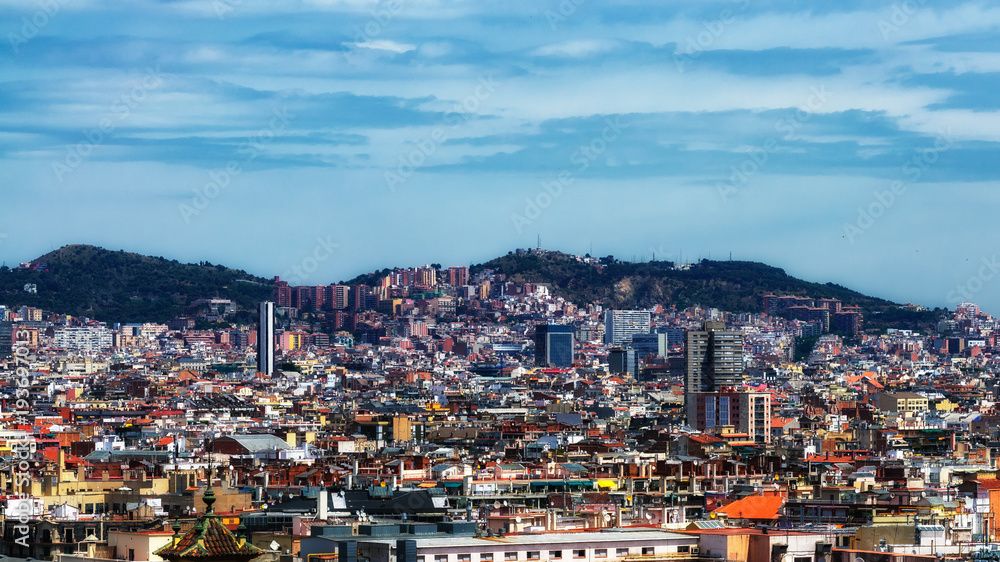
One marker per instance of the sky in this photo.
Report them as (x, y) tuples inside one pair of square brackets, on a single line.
[(856, 142)]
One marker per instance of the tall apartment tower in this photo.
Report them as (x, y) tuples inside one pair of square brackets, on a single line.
[(339, 297), (458, 276), (619, 325), (714, 360), (747, 412), (265, 339)]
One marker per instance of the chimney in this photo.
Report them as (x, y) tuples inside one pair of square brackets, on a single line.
[(321, 505), (60, 465)]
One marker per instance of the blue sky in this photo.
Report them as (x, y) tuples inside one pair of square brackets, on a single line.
[(855, 143)]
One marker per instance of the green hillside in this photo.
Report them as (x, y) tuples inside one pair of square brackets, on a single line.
[(125, 287), (736, 286)]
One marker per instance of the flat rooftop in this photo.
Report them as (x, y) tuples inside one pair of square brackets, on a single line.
[(540, 539)]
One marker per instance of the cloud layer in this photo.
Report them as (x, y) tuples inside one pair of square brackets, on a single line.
[(429, 130)]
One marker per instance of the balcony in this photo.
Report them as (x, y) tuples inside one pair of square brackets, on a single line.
[(655, 557), (844, 502)]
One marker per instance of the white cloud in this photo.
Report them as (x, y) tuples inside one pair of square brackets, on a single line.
[(385, 45), (581, 48)]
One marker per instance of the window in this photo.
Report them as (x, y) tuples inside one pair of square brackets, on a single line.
[(420, 559), (579, 554), (464, 558), (600, 553), (440, 558), (648, 550), (803, 559), (555, 554), (510, 556), (484, 557), (534, 555), (621, 552), (683, 549)]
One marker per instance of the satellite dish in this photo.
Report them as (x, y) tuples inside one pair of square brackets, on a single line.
[(649, 516), (496, 505), (505, 503), (607, 517), (517, 519), (274, 545)]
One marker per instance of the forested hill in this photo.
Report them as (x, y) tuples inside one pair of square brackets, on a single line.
[(736, 286), (118, 286)]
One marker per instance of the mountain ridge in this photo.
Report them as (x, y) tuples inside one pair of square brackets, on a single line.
[(121, 286)]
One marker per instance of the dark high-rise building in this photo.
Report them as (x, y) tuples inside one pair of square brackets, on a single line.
[(6, 339), (320, 296), (359, 297), (265, 338), (647, 344), (623, 361), (714, 360), (302, 298), (553, 345)]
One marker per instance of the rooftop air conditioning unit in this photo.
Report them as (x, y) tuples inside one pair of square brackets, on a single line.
[(695, 550)]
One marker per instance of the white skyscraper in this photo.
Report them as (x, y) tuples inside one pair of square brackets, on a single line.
[(87, 339), (619, 325), (265, 339)]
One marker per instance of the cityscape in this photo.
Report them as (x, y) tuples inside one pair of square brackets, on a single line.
[(499, 281), (450, 412)]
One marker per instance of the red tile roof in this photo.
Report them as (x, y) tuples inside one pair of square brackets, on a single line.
[(989, 483), (216, 541), (753, 507)]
